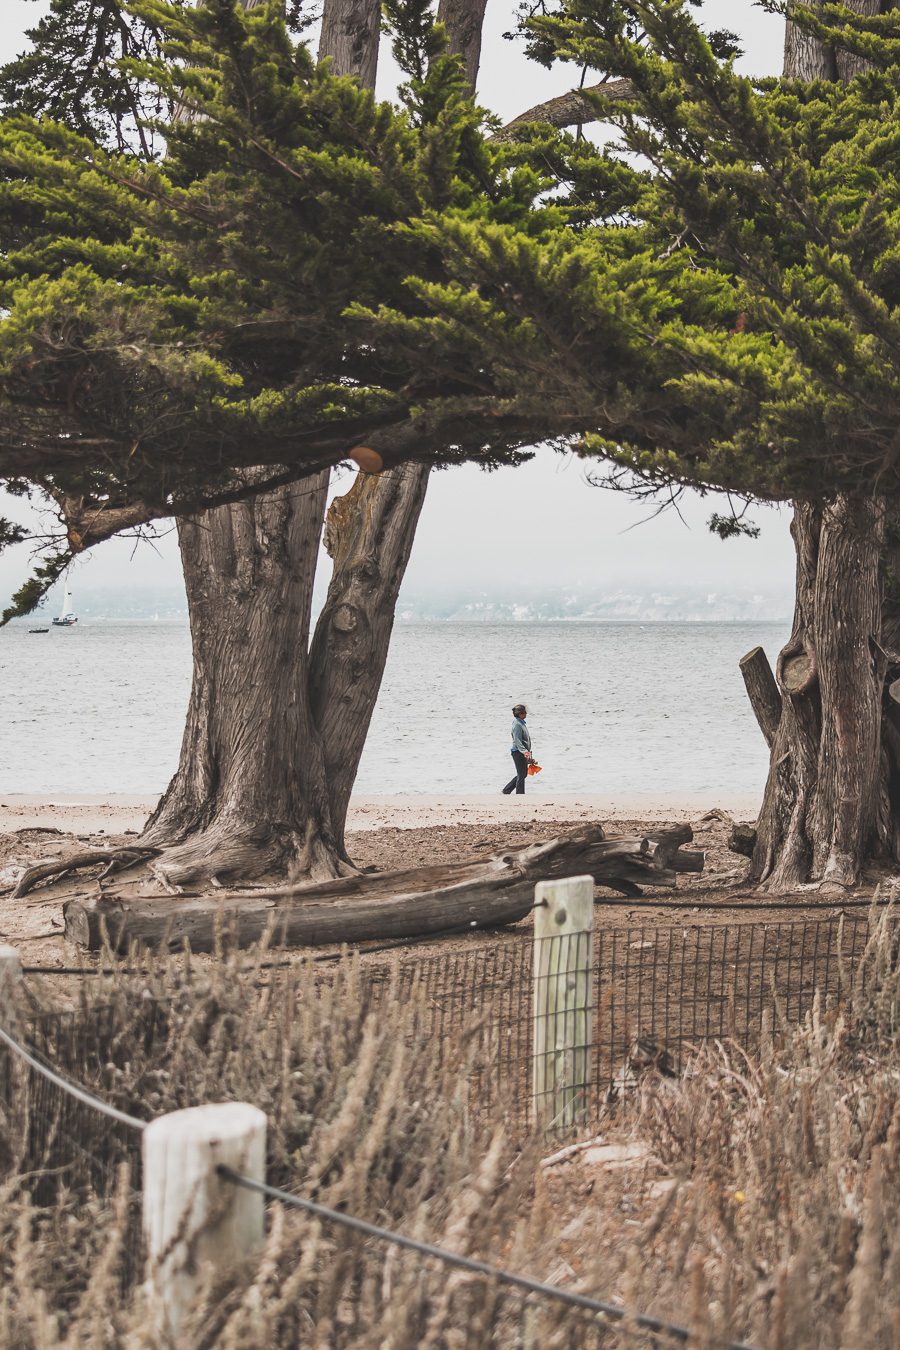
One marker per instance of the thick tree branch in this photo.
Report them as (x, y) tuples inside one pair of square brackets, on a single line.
[(576, 108)]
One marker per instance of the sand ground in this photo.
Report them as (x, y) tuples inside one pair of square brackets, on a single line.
[(118, 813), (391, 832)]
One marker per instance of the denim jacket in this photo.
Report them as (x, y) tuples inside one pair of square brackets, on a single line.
[(520, 737)]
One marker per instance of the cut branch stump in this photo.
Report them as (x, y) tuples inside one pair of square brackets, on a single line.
[(762, 691), (482, 893), (743, 839)]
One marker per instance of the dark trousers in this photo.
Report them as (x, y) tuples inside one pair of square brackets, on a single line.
[(521, 764)]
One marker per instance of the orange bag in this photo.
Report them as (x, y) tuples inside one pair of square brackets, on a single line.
[(534, 768)]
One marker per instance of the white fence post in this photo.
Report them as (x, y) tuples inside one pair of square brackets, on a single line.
[(10, 987), (194, 1218), (563, 998)]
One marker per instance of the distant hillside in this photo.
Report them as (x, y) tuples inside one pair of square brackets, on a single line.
[(675, 605), (461, 605)]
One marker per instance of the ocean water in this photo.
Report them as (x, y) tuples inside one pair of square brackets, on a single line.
[(613, 707)]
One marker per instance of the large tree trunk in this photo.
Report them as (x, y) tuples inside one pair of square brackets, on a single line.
[(848, 64), (825, 807), (805, 58), (369, 534), (350, 30), (464, 21), (250, 795)]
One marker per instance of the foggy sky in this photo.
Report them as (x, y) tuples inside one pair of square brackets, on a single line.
[(541, 524)]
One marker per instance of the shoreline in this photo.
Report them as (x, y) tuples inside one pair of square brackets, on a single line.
[(117, 813)]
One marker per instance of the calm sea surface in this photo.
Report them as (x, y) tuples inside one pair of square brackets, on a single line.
[(613, 707)]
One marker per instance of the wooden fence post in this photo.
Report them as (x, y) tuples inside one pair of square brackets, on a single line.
[(563, 998), (10, 987), (193, 1217)]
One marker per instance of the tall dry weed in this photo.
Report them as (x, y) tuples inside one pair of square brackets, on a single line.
[(780, 1225)]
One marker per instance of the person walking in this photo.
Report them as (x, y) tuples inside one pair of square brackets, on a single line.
[(520, 750)]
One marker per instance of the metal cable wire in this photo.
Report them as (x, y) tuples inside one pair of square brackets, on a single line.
[(644, 1321), (73, 1089)]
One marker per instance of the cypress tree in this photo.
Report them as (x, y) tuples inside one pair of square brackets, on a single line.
[(716, 308), (274, 732), (786, 193)]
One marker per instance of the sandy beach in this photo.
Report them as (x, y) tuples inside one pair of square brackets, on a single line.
[(383, 833), (392, 832), (119, 813)]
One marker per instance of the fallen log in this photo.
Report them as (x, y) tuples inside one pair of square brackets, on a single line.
[(416, 902)]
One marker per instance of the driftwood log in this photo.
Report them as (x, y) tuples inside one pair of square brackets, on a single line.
[(416, 902)]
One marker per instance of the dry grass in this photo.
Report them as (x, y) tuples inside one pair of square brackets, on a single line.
[(782, 1227)]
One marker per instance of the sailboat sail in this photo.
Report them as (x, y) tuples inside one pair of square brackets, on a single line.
[(66, 617)]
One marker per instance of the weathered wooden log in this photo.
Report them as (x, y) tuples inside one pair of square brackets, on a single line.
[(667, 850), (762, 691), (483, 893)]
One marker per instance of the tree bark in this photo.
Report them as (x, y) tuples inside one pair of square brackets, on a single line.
[(464, 21), (250, 794), (805, 58), (414, 902), (824, 810), (350, 31), (568, 110), (762, 691), (848, 64), (369, 534)]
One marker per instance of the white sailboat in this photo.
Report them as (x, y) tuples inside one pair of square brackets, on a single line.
[(67, 616)]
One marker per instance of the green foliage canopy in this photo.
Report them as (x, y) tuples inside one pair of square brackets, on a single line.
[(168, 324), (742, 332), (713, 302)]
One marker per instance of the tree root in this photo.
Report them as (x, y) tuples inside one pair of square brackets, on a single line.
[(116, 859), (228, 852), (319, 862)]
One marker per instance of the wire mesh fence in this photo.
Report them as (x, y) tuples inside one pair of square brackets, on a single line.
[(657, 993), (653, 995), (54, 1127), (57, 1138)]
